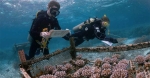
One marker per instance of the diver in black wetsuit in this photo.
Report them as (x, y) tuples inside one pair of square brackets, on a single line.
[(39, 32), (90, 29)]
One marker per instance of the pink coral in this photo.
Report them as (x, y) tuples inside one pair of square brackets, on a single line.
[(48, 76), (68, 66), (106, 66), (61, 74), (114, 60), (116, 56), (61, 68), (96, 75), (107, 60), (139, 59), (120, 66), (49, 68), (106, 72), (119, 73), (80, 62), (124, 61), (95, 70), (76, 75), (140, 75), (86, 73)]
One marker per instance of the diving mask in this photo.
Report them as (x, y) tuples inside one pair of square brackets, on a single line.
[(54, 11)]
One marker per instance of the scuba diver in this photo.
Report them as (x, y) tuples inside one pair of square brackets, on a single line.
[(41, 25), (92, 28)]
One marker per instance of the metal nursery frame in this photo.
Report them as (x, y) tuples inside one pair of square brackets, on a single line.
[(25, 64)]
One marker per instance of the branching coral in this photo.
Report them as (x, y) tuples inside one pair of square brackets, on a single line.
[(98, 62), (140, 75), (80, 63), (95, 70), (139, 59), (80, 69), (106, 66), (49, 69), (61, 68), (106, 72), (119, 73), (61, 74), (114, 60), (124, 61), (116, 56), (147, 58), (86, 73), (107, 60), (96, 75), (48, 76), (120, 66), (76, 75), (68, 66)]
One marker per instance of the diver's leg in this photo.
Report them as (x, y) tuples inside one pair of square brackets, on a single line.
[(33, 48), (46, 51), (78, 41)]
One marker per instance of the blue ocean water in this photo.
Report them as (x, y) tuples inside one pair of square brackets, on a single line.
[(129, 18)]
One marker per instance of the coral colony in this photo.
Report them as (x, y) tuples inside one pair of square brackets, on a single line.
[(101, 68), (108, 67)]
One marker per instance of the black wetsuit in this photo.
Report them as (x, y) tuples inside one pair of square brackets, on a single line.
[(40, 24), (90, 31)]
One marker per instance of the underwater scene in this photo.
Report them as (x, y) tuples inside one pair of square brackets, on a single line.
[(74, 38)]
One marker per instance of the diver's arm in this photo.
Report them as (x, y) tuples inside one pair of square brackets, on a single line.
[(99, 33), (36, 28)]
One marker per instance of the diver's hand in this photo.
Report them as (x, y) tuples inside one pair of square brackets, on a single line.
[(112, 40), (45, 34), (69, 31)]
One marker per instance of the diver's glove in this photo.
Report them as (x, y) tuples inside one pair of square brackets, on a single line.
[(112, 40), (45, 35)]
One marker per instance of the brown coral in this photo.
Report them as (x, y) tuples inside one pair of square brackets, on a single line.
[(98, 62), (147, 58)]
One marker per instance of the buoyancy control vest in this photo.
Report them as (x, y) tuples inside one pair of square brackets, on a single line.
[(85, 23)]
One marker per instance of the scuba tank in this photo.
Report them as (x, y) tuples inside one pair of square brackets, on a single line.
[(81, 25)]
